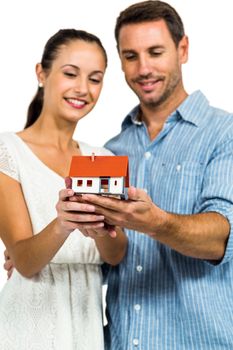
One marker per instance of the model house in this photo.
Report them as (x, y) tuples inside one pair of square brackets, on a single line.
[(106, 175)]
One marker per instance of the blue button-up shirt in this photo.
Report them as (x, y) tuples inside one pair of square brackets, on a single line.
[(159, 299)]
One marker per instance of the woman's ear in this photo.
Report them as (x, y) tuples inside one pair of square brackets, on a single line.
[(40, 74)]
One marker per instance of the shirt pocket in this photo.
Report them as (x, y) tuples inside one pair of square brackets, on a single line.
[(179, 186)]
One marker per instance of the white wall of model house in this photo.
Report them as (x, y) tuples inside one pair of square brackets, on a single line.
[(113, 185)]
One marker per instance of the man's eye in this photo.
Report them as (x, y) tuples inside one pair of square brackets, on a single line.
[(156, 53), (130, 57)]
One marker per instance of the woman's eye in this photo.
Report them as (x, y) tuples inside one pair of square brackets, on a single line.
[(95, 80), (69, 74)]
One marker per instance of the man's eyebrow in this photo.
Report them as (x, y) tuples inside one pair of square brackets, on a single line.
[(155, 47), (128, 51)]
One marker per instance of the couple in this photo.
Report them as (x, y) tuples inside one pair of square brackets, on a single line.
[(170, 274)]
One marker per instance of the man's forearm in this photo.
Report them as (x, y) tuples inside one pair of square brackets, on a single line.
[(201, 236)]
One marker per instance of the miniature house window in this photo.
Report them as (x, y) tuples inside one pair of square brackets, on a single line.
[(79, 182), (115, 183), (89, 183)]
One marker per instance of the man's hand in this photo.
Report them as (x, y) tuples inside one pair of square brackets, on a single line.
[(138, 212), (202, 235)]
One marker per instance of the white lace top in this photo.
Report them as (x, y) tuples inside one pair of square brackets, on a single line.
[(60, 308)]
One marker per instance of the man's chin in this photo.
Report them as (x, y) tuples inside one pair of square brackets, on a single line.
[(151, 102)]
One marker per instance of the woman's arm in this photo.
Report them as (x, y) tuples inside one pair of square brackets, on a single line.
[(30, 253), (111, 243)]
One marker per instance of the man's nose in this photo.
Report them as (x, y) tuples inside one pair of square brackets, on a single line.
[(144, 66)]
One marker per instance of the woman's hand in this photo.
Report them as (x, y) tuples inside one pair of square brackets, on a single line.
[(101, 232), (92, 225), (8, 265), (73, 214)]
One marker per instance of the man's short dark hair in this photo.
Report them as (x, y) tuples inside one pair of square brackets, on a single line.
[(151, 10)]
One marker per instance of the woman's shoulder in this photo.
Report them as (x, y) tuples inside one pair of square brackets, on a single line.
[(87, 149), (7, 135), (8, 154), (8, 139)]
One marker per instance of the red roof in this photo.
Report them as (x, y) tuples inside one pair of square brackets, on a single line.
[(100, 166)]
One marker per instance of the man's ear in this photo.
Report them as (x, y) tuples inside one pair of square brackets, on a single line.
[(183, 49)]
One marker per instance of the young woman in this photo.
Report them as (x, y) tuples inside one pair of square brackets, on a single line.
[(53, 298)]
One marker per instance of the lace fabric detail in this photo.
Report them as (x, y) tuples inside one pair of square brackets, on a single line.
[(55, 310), (61, 306), (7, 162)]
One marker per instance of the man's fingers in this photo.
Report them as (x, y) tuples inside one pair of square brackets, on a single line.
[(136, 194), (104, 202), (114, 204)]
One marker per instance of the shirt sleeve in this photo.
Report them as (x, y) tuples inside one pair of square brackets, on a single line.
[(8, 164), (217, 193)]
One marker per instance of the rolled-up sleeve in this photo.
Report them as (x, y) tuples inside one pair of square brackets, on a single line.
[(217, 192)]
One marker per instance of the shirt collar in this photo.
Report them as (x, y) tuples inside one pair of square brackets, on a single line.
[(192, 110)]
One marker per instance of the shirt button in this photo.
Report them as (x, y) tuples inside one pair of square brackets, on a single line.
[(139, 268), (137, 307), (147, 155), (135, 341), (178, 168)]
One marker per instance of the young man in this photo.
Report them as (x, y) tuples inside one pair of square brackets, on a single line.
[(174, 288)]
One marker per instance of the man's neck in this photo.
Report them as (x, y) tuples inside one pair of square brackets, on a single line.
[(155, 117)]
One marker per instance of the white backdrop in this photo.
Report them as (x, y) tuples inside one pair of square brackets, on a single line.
[(26, 25)]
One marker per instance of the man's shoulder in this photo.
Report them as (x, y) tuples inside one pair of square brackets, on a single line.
[(198, 110), (118, 143), (218, 118), (220, 112)]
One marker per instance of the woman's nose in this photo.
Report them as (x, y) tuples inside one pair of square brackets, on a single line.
[(81, 86)]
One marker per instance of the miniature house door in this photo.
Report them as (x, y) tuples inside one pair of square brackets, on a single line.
[(104, 184)]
